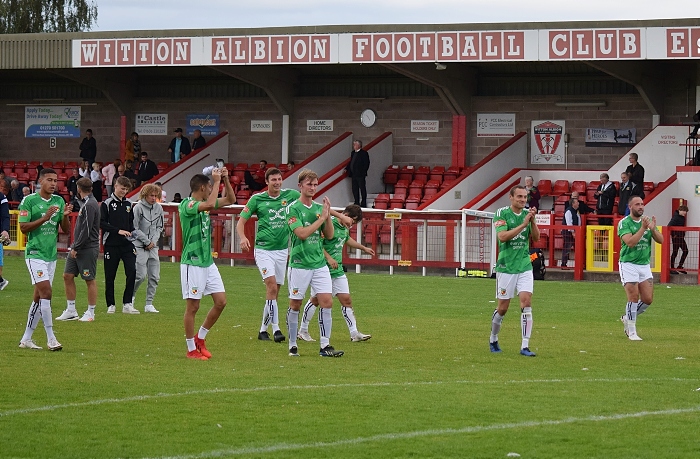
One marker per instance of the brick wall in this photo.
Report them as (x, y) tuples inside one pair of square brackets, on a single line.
[(620, 112)]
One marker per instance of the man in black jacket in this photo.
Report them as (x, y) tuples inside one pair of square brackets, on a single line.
[(82, 258), (605, 199), (198, 141), (117, 223), (636, 171), (88, 148), (678, 239), (627, 190), (179, 146), (147, 169), (357, 170)]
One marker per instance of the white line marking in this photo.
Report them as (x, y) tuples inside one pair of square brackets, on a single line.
[(425, 433), (138, 398)]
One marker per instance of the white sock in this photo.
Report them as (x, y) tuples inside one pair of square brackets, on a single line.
[(309, 311), (71, 305), (325, 324), (32, 321), (641, 307), (631, 313), (266, 317), (349, 315), (91, 309), (46, 318), (190, 344), (275, 316), (292, 326), (526, 322), (202, 333), (496, 321)]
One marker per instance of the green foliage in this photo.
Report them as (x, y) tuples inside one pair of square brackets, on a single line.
[(35, 16), (424, 386)]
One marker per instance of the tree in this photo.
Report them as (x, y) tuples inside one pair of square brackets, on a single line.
[(35, 16)]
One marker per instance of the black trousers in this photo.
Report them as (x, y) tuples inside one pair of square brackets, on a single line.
[(113, 255), (359, 188), (678, 240)]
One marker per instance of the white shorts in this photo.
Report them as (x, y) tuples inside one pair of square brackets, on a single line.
[(40, 270), (300, 279), (340, 285), (272, 263), (629, 272), (507, 284), (197, 281)]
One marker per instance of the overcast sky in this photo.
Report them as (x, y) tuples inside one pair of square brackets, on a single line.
[(189, 14)]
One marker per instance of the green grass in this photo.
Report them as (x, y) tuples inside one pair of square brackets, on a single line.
[(424, 386)]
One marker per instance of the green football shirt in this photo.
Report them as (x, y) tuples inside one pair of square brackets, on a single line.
[(41, 243), (196, 234), (272, 232), (305, 254), (334, 246), (513, 255), (640, 254)]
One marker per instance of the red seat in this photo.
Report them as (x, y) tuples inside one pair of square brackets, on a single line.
[(579, 186), (590, 195), (452, 173), (422, 173), (406, 173), (648, 186), (593, 185), (24, 178), (9, 164), (397, 202), (283, 168), (401, 187), (391, 175), (560, 187), (7, 171), (47, 165), (242, 197), (36, 163), (21, 163), (437, 173), (416, 188), (545, 187), (59, 165), (19, 170), (413, 202)]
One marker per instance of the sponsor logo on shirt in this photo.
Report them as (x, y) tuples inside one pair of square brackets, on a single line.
[(23, 213), (499, 223), (292, 220), (191, 204), (245, 209)]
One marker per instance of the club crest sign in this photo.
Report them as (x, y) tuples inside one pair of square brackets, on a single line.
[(547, 142)]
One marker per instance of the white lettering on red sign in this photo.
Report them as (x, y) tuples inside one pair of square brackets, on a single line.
[(595, 44), (142, 51)]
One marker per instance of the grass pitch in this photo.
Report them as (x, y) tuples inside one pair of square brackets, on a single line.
[(424, 386)]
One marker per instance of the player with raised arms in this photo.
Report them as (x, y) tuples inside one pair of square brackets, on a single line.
[(514, 227), (199, 276)]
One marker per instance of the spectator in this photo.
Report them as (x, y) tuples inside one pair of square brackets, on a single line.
[(85, 169), (121, 170), (583, 208), (636, 172), (108, 172), (357, 171), (163, 197), (198, 141), (256, 180), (177, 198), (133, 147), (88, 148), (16, 190), (96, 178), (696, 120), (627, 190), (179, 146), (290, 165), (4, 233), (5, 179), (5, 189), (147, 169), (605, 199), (73, 183), (533, 194), (26, 191), (148, 225), (678, 239), (571, 218)]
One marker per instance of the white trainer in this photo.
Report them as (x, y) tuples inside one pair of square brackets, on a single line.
[(29, 344), (111, 309), (150, 308), (54, 345), (623, 318), (304, 335), (634, 337), (357, 337), (87, 316), (68, 315), (129, 308), (3, 284)]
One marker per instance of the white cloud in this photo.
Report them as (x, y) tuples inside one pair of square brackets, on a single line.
[(185, 14)]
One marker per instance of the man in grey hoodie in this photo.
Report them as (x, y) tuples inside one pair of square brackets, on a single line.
[(148, 224), (82, 258)]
